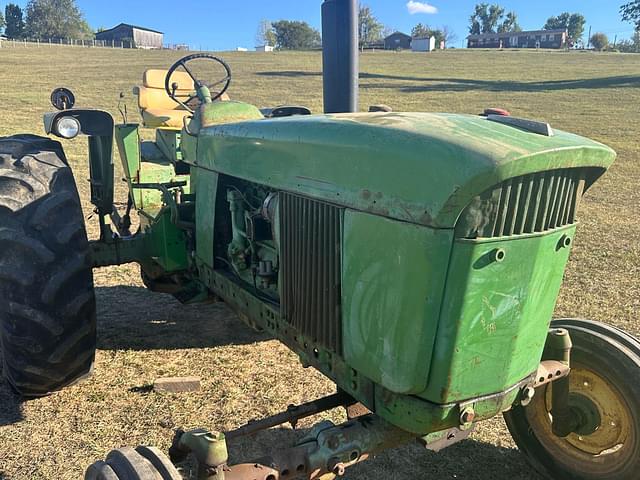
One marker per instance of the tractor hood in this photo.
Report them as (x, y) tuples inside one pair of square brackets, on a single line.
[(416, 167)]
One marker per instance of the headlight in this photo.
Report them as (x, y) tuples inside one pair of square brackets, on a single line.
[(67, 127)]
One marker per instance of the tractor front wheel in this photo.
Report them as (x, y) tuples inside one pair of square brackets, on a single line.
[(142, 463), (604, 398), (47, 303)]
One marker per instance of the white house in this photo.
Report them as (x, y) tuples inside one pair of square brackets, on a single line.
[(264, 48), (426, 44)]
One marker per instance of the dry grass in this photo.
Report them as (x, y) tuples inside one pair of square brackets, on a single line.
[(144, 335)]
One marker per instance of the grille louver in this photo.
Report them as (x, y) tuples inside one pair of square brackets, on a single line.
[(310, 237), (528, 204)]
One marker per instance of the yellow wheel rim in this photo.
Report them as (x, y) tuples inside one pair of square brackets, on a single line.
[(606, 439)]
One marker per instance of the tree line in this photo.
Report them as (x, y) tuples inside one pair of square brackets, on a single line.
[(298, 35), (45, 19), (492, 18)]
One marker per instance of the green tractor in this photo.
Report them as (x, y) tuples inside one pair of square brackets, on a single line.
[(414, 259)]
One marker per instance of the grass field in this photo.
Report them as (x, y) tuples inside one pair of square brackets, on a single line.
[(143, 335)]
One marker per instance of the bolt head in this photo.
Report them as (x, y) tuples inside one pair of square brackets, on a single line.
[(339, 469), (467, 416), (527, 395)]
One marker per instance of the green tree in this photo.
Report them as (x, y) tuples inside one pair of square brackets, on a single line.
[(486, 18), (56, 19), (266, 35), (496, 12), (420, 31), (369, 28), (631, 13), (476, 20), (295, 35), (599, 41), (15, 22), (631, 45), (573, 23), (510, 23), (439, 36)]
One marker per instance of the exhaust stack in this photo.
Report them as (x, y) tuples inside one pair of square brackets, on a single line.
[(340, 55)]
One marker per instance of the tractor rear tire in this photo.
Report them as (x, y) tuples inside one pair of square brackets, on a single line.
[(47, 301)]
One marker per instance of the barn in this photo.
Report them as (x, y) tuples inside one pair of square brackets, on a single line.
[(531, 39), (397, 40), (131, 36)]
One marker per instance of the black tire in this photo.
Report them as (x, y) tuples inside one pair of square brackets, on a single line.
[(143, 463), (605, 370), (47, 302)]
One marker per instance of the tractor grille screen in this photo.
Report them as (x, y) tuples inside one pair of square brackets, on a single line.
[(310, 238), (528, 204)]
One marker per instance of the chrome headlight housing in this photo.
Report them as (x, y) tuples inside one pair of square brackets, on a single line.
[(67, 127)]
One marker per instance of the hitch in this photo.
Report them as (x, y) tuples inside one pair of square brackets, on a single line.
[(325, 452)]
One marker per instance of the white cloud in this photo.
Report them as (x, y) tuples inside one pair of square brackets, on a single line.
[(421, 7)]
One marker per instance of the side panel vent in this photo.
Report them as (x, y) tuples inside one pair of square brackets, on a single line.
[(310, 238), (528, 204)]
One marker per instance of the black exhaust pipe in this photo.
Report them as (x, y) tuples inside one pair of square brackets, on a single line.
[(340, 55)]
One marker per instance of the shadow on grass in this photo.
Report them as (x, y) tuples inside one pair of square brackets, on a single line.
[(10, 405), (466, 84), (469, 459), (133, 318)]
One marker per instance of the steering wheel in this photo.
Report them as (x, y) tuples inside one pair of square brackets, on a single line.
[(187, 99)]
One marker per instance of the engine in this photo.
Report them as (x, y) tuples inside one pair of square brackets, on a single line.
[(251, 251)]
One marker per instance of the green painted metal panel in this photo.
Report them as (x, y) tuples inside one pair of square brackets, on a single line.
[(416, 167), (206, 184), (128, 141), (217, 113), (495, 314), (392, 286), (165, 244)]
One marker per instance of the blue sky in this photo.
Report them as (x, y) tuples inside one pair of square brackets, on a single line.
[(227, 24)]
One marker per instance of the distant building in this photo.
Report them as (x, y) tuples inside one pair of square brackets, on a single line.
[(532, 39), (397, 40), (242, 49), (264, 48), (423, 44), (131, 36)]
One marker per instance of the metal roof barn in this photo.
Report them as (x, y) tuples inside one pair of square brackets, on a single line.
[(131, 36)]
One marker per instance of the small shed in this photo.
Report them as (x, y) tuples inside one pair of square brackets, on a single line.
[(131, 36), (264, 48), (397, 40), (423, 44)]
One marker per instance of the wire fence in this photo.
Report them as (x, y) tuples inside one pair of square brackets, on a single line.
[(67, 42), (71, 42)]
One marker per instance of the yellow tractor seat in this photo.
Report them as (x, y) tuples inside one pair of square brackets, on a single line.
[(158, 110)]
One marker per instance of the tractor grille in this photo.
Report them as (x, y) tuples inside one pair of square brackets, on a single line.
[(528, 204), (310, 237)]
